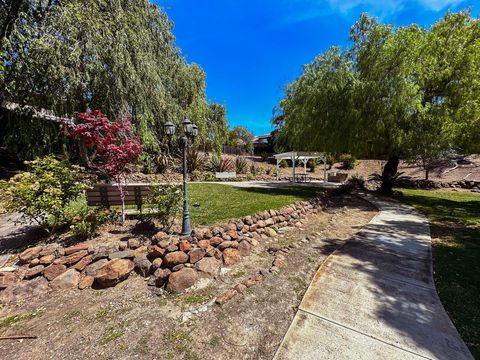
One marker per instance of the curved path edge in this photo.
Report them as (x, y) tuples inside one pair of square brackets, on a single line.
[(375, 297)]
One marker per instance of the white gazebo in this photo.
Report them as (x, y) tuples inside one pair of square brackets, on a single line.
[(303, 157)]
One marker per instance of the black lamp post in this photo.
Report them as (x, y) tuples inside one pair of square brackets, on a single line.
[(190, 131)]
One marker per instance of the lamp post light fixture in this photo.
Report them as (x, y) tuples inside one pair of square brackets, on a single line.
[(190, 132)]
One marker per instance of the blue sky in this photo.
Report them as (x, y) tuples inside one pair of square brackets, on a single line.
[(251, 49)]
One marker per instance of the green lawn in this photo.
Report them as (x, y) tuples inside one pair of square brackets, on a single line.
[(455, 225), (214, 203)]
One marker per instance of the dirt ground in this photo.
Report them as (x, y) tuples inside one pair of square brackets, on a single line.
[(133, 320)]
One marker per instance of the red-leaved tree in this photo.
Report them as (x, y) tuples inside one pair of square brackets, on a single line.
[(113, 142)]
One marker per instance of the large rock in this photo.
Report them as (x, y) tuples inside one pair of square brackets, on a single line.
[(133, 243), (93, 268), (161, 276), (50, 250), (207, 234), (34, 263), (71, 259), (156, 263), (270, 232), (159, 236), (228, 244), (209, 266), (82, 264), (76, 248), (182, 280), (204, 244), (34, 271), (155, 250), (215, 241), (231, 256), (114, 272), (24, 290), (199, 233), (142, 265), (175, 258), (164, 243), (68, 280), (86, 282), (30, 254), (7, 279), (244, 247), (101, 253), (196, 254), (247, 220), (126, 254), (54, 270), (185, 246), (232, 233), (47, 259)]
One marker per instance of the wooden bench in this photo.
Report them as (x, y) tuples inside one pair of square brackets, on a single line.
[(299, 178), (337, 177), (106, 195)]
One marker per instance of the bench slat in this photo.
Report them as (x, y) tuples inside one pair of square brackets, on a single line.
[(108, 194)]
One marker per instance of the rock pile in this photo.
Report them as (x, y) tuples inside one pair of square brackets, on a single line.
[(171, 261)]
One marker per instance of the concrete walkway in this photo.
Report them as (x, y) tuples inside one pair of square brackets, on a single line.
[(375, 298)]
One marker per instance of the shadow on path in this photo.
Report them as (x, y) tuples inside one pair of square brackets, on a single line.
[(375, 298)]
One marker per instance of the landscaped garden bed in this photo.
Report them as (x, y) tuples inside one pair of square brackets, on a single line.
[(132, 319), (167, 259)]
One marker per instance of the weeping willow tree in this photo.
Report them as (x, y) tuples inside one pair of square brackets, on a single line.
[(395, 92), (118, 56)]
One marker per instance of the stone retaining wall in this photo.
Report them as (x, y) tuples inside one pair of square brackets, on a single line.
[(472, 185), (170, 261)]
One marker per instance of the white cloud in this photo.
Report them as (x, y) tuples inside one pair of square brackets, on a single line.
[(438, 5), (389, 6), (303, 10), (379, 7)]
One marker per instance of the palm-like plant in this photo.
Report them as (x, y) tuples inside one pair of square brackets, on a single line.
[(389, 179), (219, 164), (195, 160), (241, 165)]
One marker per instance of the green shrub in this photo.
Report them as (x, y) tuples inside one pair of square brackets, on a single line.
[(356, 181), (196, 175), (164, 204), (241, 165), (253, 169), (283, 164), (210, 177), (87, 221), (250, 176), (162, 163), (42, 194), (330, 159), (348, 161)]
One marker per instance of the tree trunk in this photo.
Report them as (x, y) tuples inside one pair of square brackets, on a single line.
[(122, 196), (389, 171), (426, 174)]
